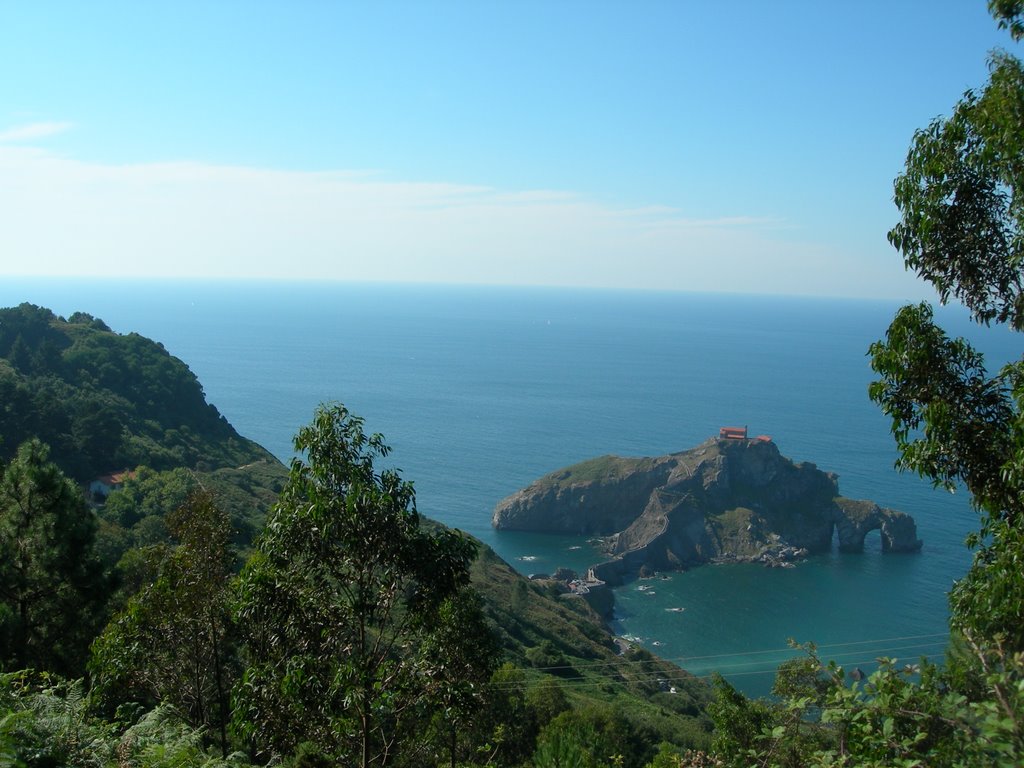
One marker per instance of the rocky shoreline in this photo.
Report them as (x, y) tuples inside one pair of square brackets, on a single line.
[(728, 500)]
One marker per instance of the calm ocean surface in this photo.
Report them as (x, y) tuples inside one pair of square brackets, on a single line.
[(481, 390)]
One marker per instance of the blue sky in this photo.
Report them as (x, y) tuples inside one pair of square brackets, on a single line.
[(742, 146)]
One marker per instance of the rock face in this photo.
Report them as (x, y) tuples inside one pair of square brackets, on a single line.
[(725, 500)]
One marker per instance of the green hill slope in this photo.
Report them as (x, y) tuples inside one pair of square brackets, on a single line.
[(553, 635), (104, 401)]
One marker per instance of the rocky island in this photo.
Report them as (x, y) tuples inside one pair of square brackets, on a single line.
[(730, 499)]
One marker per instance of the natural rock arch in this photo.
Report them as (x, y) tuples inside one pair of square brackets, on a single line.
[(726, 500), (854, 519)]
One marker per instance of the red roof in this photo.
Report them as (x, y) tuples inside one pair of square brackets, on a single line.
[(117, 478)]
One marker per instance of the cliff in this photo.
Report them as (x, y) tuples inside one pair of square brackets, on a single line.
[(725, 500)]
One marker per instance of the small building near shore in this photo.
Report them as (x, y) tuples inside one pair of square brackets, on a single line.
[(107, 484)]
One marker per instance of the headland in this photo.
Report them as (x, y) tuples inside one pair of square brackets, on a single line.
[(732, 498)]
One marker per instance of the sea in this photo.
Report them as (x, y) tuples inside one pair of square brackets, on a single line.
[(481, 390)]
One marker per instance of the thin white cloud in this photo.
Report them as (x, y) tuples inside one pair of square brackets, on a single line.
[(32, 131), (60, 216)]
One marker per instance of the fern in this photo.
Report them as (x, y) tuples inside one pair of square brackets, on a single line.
[(45, 721), (162, 739)]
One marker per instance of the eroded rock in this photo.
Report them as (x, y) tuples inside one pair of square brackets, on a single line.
[(736, 500)]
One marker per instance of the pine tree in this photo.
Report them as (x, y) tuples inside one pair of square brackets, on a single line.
[(51, 583)]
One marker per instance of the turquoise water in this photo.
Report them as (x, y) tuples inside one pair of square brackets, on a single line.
[(481, 390)]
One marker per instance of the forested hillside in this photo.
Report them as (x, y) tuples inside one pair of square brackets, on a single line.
[(126, 628), (104, 401)]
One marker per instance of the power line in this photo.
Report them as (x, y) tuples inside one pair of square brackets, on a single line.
[(933, 639), (668, 678), (818, 647), (770, 671), (628, 665), (897, 648)]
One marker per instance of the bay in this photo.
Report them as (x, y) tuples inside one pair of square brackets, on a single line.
[(481, 390)]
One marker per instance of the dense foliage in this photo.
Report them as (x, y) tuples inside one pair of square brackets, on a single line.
[(344, 583), (105, 402), (174, 640), (911, 715), (51, 583), (357, 632), (157, 559)]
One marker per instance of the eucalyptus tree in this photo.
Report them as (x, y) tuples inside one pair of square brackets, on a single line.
[(961, 200), (961, 229), (458, 657), (174, 641), (343, 588)]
